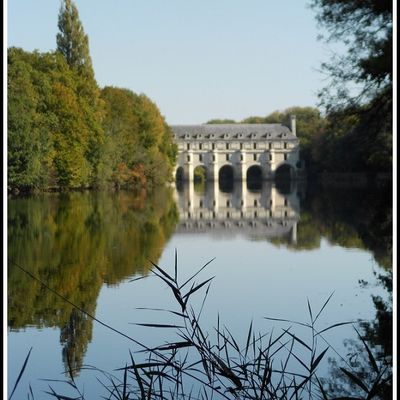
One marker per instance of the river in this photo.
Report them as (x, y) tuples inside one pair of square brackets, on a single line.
[(277, 252)]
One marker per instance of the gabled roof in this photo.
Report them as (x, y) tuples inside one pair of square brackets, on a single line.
[(232, 132)]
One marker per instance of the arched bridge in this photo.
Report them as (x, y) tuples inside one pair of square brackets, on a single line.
[(237, 151)]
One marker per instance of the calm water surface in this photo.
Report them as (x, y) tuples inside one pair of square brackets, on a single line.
[(275, 249)]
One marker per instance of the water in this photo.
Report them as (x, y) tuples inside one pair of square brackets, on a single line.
[(275, 249)]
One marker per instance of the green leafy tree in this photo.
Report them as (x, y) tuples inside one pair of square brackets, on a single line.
[(358, 98), (139, 145), (221, 121), (73, 44), (28, 140)]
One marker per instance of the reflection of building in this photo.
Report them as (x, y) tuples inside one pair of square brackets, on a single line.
[(263, 150), (263, 213)]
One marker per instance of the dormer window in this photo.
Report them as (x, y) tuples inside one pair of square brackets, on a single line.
[(226, 136)]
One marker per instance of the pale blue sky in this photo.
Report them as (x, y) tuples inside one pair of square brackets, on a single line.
[(197, 60)]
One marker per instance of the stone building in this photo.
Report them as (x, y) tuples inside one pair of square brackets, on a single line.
[(238, 151)]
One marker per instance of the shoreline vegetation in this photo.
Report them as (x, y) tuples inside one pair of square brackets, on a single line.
[(67, 133)]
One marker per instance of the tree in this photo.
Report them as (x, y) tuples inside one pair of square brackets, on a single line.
[(139, 145), (221, 121), (365, 28), (358, 99), (72, 42)]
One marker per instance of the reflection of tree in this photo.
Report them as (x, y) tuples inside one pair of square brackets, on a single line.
[(352, 218), (74, 242), (75, 336), (360, 218), (377, 335)]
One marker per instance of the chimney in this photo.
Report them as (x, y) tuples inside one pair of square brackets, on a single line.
[(293, 124)]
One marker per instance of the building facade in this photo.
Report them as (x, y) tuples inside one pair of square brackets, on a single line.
[(237, 150)]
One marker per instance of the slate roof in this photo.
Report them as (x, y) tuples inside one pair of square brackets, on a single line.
[(232, 132)]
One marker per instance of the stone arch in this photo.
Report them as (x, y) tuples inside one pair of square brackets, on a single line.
[(285, 172), (284, 175), (254, 177), (200, 173), (226, 176), (179, 174)]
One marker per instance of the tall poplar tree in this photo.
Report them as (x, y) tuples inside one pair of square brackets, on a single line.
[(73, 44)]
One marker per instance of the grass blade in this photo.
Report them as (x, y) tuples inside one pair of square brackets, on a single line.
[(355, 379), (20, 373)]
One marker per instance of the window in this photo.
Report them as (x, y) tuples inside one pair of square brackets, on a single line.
[(285, 157), (188, 146), (270, 157), (241, 157), (188, 158), (213, 157), (228, 215), (241, 146), (255, 203), (227, 157), (255, 157), (200, 146), (201, 215), (286, 202), (285, 145), (201, 203), (213, 146), (255, 214), (228, 203), (227, 146), (254, 146), (200, 157), (270, 146)]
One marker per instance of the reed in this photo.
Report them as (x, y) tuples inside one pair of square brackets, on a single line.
[(203, 365)]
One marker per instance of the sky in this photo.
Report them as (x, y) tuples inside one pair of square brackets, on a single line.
[(197, 60)]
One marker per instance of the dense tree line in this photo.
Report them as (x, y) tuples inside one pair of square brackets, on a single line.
[(66, 132)]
